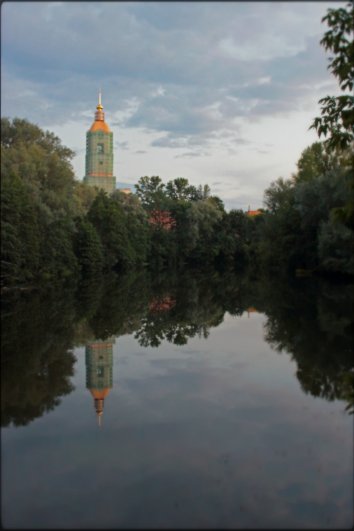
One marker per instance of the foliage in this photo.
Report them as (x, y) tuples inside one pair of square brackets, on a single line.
[(233, 239), (137, 225), (151, 192), (88, 248), (110, 222), (59, 261), (203, 217), (44, 165), (20, 232), (84, 196), (182, 221), (53, 227), (315, 161), (337, 112), (335, 247), (301, 228), (37, 204)]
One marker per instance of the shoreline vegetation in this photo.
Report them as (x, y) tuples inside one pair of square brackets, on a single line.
[(55, 229), (58, 230)]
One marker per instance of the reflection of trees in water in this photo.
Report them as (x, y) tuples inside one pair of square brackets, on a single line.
[(155, 308), (192, 311), (122, 303), (36, 359), (313, 321), (151, 333), (310, 320)]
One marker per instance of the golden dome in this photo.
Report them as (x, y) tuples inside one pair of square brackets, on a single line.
[(100, 125)]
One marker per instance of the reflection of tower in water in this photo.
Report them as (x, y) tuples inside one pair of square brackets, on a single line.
[(251, 309), (99, 372)]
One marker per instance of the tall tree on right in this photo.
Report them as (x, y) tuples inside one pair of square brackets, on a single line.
[(337, 112)]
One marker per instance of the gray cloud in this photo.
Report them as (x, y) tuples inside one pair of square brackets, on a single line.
[(122, 145), (59, 54), (191, 154), (191, 75)]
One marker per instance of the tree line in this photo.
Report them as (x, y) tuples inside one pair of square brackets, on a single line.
[(54, 228)]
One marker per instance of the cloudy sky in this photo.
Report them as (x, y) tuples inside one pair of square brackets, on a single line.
[(221, 93)]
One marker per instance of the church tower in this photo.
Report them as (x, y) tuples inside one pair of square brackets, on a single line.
[(99, 153)]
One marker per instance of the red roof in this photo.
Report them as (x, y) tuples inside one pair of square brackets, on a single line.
[(162, 219), (162, 304), (253, 212)]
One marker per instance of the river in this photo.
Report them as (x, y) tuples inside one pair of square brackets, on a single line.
[(178, 401)]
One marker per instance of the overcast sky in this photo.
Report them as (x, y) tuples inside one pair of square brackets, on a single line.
[(221, 93)]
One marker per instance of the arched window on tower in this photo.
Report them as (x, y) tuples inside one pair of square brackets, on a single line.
[(100, 148)]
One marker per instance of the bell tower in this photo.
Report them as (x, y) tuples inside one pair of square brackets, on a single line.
[(99, 153)]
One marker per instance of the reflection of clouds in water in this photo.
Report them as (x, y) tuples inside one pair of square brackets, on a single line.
[(196, 438), (203, 415)]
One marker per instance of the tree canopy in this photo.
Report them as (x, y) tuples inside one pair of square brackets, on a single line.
[(337, 112)]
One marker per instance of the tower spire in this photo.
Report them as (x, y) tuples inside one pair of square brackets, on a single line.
[(100, 106)]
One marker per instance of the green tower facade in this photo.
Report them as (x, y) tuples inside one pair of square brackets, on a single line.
[(99, 153)]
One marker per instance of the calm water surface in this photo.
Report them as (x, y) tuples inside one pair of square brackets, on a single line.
[(217, 401)]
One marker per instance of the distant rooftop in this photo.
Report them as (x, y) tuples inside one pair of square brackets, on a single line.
[(253, 212)]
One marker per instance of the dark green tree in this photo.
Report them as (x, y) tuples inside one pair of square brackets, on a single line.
[(38, 205), (110, 221), (151, 192), (88, 248), (137, 223), (58, 259), (233, 239), (315, 161), (20, 233)]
